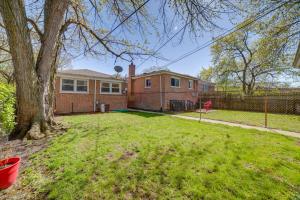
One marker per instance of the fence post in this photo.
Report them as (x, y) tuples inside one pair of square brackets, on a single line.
[(266, 112), (200, 109)]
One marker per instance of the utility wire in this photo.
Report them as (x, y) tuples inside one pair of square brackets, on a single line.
[(226, 33), (169, 39), (122, 22)]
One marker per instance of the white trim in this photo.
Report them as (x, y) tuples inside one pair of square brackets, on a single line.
[(110, 88), (75, 86), (171, 82), (146, 82), (192, 85)]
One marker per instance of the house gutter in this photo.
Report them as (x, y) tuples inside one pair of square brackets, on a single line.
[(160, 92), (95, 81)]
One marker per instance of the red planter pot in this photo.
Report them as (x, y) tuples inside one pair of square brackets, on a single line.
[(8, 175)]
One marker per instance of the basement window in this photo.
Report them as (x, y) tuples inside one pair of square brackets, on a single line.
[(175, 82)]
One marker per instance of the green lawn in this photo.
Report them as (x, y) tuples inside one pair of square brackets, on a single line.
[(147, 156), (278, 121)]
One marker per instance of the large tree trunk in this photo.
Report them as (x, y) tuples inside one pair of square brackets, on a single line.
[(14, 18), (54, 11), (32, 78)]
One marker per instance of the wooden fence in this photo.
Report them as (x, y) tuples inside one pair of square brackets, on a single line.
[(287, 103)]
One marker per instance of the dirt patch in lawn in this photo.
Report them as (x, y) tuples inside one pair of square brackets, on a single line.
[(24, 149), (127, 155)]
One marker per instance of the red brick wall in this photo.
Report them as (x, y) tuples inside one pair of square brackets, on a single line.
[(149, 98), (77, 102), (145, 98), (181, 93)]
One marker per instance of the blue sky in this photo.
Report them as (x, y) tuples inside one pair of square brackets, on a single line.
[(190, 65)]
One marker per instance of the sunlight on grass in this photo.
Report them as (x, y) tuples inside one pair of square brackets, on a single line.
[(146, 156), (278, 121)]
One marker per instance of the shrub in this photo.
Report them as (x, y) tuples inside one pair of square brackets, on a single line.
[(7, 108)]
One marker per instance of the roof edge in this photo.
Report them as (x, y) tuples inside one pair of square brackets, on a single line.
[(61, 74), (165, 72)]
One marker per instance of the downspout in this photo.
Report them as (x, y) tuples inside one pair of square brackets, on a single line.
[(95, 96), (160, 92)]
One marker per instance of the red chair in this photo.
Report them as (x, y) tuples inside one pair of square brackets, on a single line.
[(207, 105)]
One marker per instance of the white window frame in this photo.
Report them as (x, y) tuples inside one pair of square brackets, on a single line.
[(75, 86), (146, 83), (192, 84), (110, 88), (177, 79)]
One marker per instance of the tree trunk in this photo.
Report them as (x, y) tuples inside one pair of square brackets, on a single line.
[(32, 79), (14, 18)]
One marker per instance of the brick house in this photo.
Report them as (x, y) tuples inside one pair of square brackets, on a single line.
[(163, 90), (84, 90)]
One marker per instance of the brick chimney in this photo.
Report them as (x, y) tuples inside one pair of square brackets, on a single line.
[(131, 73), (131, 70)]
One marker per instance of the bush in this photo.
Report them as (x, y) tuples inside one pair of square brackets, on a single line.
[(7, 108)]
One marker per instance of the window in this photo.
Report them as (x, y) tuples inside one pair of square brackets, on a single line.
[(148, 83), (111, 88), (81, 86), (67, 85), (190, 84), (105, 87), (175, 82), (115, 88), (71, 85)]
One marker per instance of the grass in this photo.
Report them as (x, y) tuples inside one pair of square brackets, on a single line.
[(147, 156), (278, 121)]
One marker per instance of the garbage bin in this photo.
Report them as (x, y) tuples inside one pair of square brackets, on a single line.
[(102, 108)]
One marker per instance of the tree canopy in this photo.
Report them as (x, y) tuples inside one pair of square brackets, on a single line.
[(263, 51)]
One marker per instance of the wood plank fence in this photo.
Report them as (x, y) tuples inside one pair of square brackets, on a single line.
[(286, 103)]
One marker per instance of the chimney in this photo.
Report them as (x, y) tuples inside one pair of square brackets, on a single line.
[(131, 70), (131, 73)]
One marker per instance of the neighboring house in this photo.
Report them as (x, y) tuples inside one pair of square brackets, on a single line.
[(163, 90), (205, 86), (297, 57), (84, 90)]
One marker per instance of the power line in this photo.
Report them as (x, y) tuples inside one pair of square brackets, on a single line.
[(226, 33), (169, 39)]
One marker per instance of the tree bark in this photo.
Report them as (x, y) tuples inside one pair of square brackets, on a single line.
[(32, 78)]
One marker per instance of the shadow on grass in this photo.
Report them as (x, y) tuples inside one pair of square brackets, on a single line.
[(143, 114)]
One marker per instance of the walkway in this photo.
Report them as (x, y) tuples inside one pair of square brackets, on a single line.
[(278, 131)]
